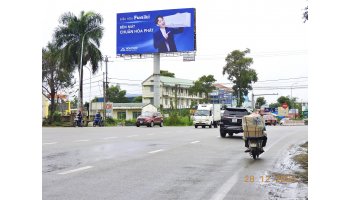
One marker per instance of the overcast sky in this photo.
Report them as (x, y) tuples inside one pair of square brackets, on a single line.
[(272, 29)]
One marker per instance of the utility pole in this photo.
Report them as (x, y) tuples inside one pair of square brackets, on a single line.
[(106, 82), (104, 96)]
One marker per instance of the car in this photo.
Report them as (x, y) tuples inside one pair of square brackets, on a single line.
[(149, 119), (270, 119), (231, 121), (283, 121)]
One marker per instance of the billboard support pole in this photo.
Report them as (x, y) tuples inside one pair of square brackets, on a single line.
[(156, 75)]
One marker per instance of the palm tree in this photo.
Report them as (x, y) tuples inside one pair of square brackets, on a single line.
[(79, 38)]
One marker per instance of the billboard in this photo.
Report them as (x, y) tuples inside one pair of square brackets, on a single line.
[(157, 31)]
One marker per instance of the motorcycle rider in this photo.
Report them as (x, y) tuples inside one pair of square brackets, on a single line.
[(98, 117), (261, 113), (80, 117)]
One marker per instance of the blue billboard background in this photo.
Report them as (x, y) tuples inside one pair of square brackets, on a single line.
[(135, 32)]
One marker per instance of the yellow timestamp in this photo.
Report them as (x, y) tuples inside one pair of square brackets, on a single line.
[(270, 178)]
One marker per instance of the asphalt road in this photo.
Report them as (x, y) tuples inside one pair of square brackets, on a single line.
[(157, 163)]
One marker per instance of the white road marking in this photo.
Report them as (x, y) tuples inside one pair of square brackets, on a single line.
[(107, 138), (156, 151), (194, 142), (150, 134), (75, 170), (49, 143), (132, 136), (227, 186), (81, 140)]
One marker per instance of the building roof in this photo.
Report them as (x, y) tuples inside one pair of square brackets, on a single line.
[(222, 87), (170, 81), (129, 105)]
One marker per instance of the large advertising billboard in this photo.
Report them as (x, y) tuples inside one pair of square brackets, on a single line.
[(159, 31)]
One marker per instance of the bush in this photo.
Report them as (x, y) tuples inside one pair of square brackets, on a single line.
[(110, 122), (56, 117), (175, 120), (130, 122)]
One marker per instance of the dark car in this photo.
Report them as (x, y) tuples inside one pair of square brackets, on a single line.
[(149, 119), (231, 121)]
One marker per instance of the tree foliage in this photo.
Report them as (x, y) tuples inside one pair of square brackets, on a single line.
[(55, 75), (116, 95), (260, 101), (167, 73), (203, 85), (74, 31), (137, 99), (239, 73), (306, 14)]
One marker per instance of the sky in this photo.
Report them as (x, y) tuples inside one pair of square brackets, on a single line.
[(272, 29)]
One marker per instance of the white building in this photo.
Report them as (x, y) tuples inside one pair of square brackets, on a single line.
[(124, 110), (168, 87)]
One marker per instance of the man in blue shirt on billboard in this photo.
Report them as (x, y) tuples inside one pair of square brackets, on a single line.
[(163, 40)]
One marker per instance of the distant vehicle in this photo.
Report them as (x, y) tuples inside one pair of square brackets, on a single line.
[(270, 119), (207, 115), (231, 121), (283, 121), (149, 119)]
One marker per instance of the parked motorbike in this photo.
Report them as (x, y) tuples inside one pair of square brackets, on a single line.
[(98, 122), (78, 122)]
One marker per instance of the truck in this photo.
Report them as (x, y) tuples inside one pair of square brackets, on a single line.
[(207, 115)]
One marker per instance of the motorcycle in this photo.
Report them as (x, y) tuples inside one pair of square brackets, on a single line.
[(78, 122), (98, 122), (255, 146)]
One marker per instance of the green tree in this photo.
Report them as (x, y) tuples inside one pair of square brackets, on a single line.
[(55, 76), (239, 73), (116, 95), (76, 35), (167, 73), (260, 101), (137, 99), (203, 85), (274, 105), (284, 99)]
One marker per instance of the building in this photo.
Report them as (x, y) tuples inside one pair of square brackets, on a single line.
[(125, 111), (45, 107), (169, 88), (222, 95)]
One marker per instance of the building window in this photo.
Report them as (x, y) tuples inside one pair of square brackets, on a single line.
[(151, 101), (135, 114), (151, 88), (166, 102), (187, 102), (121, 115)]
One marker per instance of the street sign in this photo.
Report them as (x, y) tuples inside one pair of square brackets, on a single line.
[(188, 57)]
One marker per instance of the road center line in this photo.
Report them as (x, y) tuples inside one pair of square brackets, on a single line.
[(194, 142), (156, 151), (49, 143), (75, 170), (107, 138), (82, 140)]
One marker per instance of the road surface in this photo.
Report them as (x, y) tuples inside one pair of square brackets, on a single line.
[(157, 163)]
